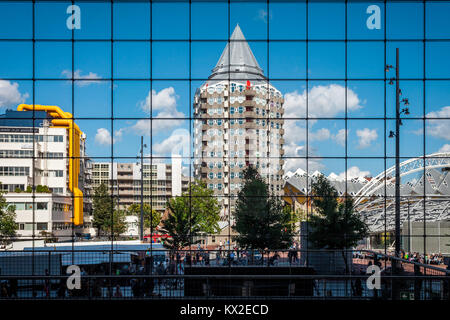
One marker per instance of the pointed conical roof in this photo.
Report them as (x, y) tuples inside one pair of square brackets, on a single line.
[(237, 60)]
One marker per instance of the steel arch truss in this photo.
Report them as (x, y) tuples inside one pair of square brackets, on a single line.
[(380, 217), (432, 161)]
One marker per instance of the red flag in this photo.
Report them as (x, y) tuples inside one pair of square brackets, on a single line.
[(248, 84)]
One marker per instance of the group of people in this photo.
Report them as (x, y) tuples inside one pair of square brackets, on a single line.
[(434, 258)]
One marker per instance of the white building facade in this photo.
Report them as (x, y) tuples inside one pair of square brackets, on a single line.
[(238, 122), (32, 154), (162, 181)]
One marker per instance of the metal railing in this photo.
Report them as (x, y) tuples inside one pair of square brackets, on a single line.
[(216, 274)]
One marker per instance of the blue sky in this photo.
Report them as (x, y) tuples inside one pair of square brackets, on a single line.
[(283, 62)]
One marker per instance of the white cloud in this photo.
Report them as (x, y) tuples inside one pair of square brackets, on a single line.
[(292, 163), (118, 135), (88, 79), (341, 136), (178, 143), (438, 128), (142, 127), (324, 101), (354, 172), (365, 137), (320, 135), (164, 101), (103, 136), (444, 148), (10, 94)]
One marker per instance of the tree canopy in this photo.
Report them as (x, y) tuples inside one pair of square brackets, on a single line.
[(195, 212), (334, 225), (261, 220), (107, 217)]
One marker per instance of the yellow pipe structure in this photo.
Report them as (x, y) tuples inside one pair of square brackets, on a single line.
[(65, 120)]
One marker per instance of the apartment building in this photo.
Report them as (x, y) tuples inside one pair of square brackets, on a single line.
[(34, 152), (238, 122), (161, 181)]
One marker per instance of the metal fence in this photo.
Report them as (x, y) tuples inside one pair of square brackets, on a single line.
[(291, 274)]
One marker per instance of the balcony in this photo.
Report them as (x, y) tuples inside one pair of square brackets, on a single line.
[(126, 192), (204, 170), (249, 103), (250, 92), (251, 125), (125, 177)]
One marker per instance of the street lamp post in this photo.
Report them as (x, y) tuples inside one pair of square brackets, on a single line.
[(141, 229), (397, 157), (398, 123)]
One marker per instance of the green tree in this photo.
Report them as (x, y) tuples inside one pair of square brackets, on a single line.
[(261, 220), (116, 223), (150, 215), (195, 212), (8, 225), (334, 225), (107, 218), (203, 202), (182, 224)]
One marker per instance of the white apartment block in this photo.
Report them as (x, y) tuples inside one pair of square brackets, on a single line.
[(161, 181), (32, 154), (238, 122)]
